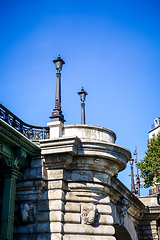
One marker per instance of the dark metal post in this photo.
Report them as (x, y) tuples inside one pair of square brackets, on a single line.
[(82, 95), (132, 178), (82, 113), (58, 92), (138, 179), (57, 113)]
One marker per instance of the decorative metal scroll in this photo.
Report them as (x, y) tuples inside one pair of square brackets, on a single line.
[(29, 131)]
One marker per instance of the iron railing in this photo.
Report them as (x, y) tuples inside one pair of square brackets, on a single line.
[(29, 131)]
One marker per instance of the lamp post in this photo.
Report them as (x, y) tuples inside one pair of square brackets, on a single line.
[(138, 180), (57, 112), (132, 177), (82, 95)]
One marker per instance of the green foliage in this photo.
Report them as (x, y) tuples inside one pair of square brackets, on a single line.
[(150, 165)]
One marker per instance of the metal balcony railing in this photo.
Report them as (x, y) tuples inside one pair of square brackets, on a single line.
[(29, 131)]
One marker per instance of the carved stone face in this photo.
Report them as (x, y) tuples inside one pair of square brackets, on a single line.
[(27, 212), (88, 213)]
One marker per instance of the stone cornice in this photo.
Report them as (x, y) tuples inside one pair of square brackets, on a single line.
[(85, 147), (60, 145)]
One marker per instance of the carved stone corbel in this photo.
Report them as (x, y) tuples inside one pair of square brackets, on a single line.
[(122, 208), (20, 158)]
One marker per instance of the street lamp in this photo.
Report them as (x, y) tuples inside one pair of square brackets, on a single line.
[(138, 179), (57, 113), (132, 177), (59, 63), (82, 95)]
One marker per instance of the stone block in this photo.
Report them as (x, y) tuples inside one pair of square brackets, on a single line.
[(56, 194), (37, 162), (104, 209), (80, 175), (44, 236), (55, 174), (72, 207), (102, 177), (88, 229), (105, 200), (83, 237), (56, 236), (42, 206), (33, 173), (83, 196), (86, 185), (33, 228), (72, 218), (56, 227), (56, 216), (31, 185), (57, 184), (42, 217), (32, 196), (56, 205), (106, 219)]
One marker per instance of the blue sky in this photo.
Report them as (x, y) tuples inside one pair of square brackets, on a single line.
[(111, 48)]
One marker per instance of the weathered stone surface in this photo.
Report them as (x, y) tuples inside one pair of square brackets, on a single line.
[(56, 174), (31, 185), (72, 218), (32, 196), (72, 207), (78, 197), (60, 145), (106, 219), (55, 129), (86, 185), (56, 236), (104, 209), (42, 206), (57, 184), (56, 216), (105, 200), (80, 175), (88, 229), (89, 132), (33, 173), (37, 162), (33, 228), (56, 194), (42, 217), (56, 227), (84, 237), (56, 205)]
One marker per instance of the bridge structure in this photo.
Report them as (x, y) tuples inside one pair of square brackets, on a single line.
[(59, 182)]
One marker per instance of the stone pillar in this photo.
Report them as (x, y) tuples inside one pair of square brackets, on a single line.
[(8, 205), (79, 170)]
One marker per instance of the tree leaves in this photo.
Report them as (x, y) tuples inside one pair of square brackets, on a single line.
[(150, 165)]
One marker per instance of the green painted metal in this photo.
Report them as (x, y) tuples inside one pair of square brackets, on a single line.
[(15, 151), (7, 220)]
